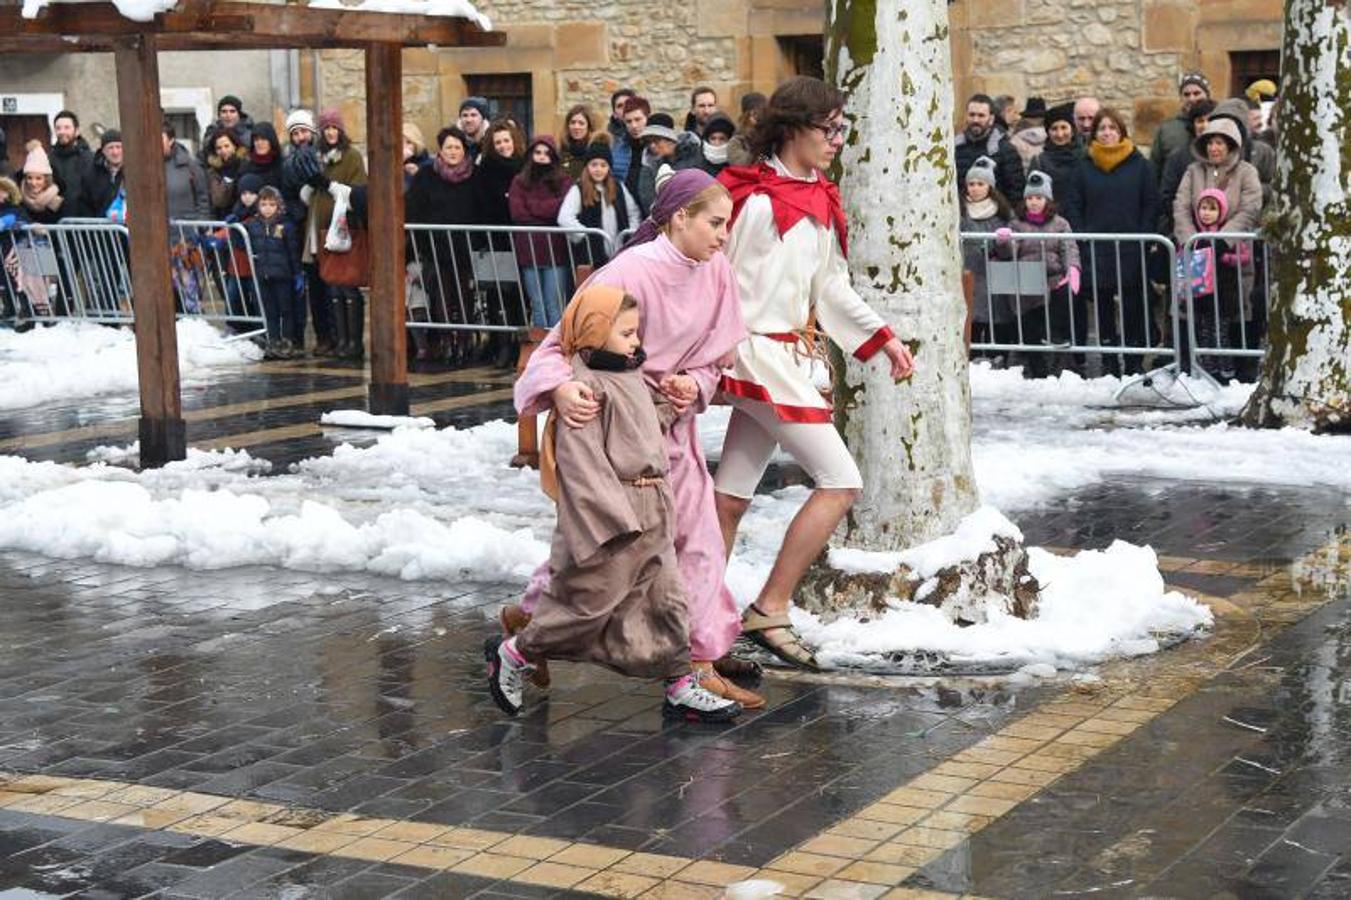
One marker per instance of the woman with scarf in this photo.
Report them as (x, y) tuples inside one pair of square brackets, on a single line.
[(264, 156), (691, 324), (443, 193), (599, 202), (535, 197), (1115, 191), (343, 168), (575, 139), (40, 193), (224, 165)]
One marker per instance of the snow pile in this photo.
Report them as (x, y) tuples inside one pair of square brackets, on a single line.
[(227, 460), (136, 10), (359, 418), (72, 360), (462, 9), (974, 536), (1094, 606)]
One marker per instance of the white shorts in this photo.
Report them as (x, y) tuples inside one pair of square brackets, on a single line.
[(754, 433)]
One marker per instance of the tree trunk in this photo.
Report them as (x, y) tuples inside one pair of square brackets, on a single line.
[(1306, 376), (912, 440)]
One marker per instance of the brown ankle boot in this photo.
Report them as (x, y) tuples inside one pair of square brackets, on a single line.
[(514, 619), (711, 681)]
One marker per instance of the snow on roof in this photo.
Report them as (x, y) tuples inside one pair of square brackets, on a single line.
[(145, 10)]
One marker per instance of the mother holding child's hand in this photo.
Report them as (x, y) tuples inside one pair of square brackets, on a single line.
[(691, 323)]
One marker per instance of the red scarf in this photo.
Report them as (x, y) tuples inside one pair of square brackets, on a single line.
[(791, 198)]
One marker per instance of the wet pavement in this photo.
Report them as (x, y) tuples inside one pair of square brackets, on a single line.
[(270, 733)]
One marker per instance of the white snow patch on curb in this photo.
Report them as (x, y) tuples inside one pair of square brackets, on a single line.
[(359, 418)]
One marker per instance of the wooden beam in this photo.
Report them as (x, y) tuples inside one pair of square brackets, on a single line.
[(254, 25), (162, 432), (384, 204)]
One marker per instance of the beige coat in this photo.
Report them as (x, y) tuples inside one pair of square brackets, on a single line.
[(1236, 177)]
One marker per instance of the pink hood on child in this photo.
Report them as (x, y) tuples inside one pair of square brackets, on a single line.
[(1219, 197)]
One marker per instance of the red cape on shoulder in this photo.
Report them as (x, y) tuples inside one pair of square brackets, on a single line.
[(791, 198)]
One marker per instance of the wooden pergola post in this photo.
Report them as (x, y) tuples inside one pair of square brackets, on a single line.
[(162, 431), (388, 392)]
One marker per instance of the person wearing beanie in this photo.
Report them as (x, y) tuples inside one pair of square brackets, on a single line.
[(342, 169), (601, 202), (473, 121), (40, 193), (72, 164), (984, 210), (1062, 151), (718, 132), (1176, 133), (535, 197), (107, 192), (663, 149), (1035, 323), (231, 118), (301, 176), (264, 157)]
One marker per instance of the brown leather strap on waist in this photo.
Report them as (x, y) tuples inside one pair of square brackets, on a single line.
[(645, 481)]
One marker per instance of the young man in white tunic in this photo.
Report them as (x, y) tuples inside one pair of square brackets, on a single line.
[(788, 249)]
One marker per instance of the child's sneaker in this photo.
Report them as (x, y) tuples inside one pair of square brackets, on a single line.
[(505, 671), (687, 699)]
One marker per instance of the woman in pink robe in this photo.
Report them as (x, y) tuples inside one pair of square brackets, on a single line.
[(691, 322)]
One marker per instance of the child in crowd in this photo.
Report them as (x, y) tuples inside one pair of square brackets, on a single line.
[(1221, 274), (1045, 317), (615, 597), (276, 263), (984, 209)]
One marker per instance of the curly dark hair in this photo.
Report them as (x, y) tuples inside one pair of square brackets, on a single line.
[(800, 102)]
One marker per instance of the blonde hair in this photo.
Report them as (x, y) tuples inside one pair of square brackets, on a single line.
[(699, 202)]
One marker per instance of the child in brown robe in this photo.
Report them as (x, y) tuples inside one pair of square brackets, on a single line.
[(616, 597)]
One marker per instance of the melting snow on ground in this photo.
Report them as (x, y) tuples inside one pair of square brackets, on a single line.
[(444, 504), (359, 418), (73, 360)]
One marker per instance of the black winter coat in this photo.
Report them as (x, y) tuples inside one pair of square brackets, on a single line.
[(1122, 201), (1059, 163), (431, 200), (276, 247), (73, 172), (492, 180), (1008, 164), (103, 187), (300, 167)]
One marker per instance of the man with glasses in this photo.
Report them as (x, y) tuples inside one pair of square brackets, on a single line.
[(787, 247)]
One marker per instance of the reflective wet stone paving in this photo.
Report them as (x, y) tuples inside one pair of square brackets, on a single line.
[(266, 733)]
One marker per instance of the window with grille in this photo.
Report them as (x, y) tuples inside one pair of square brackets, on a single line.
[(510, 93)]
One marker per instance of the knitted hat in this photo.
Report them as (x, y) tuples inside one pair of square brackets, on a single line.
[(1038, 185), (982, 170), (599, 151), (1035, 109), (1062, 113), (719, 124), (660, 125), (1218, 196), (250, 184), (331, 118), (230, 100), (1195, 78), (478, 103), (111, 136), (300, 118), (37, 162)]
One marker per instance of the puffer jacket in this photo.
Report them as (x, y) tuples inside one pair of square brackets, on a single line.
[(276, 247), (1060, 256), (976, 256), (1008, 164), (1237, 178)]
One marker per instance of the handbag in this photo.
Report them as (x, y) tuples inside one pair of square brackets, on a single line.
[(351, 268)]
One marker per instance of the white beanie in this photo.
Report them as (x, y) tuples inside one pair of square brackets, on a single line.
[(982, 170), (300, 118)]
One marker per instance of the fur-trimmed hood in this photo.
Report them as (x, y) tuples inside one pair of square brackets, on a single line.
[(9, 191)]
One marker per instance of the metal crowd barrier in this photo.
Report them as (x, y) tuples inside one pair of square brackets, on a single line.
[(506, 278), (78, 269), (1027, 310), (1222, 292)]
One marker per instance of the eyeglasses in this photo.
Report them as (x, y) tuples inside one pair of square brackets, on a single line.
[(831, 132)]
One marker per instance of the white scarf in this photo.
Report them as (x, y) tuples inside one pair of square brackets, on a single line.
[(716, 155), (978, 210)]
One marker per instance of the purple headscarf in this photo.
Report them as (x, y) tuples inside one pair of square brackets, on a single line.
[(675, 194)]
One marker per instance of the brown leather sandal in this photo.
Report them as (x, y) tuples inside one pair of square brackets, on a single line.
[(777, 635), (513, 620), (715, 683)]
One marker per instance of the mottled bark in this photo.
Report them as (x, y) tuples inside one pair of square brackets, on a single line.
[(912, 440), (1306, 375)]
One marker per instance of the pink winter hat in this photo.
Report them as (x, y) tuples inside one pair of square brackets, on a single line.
[(331, 118), (37, 162)]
